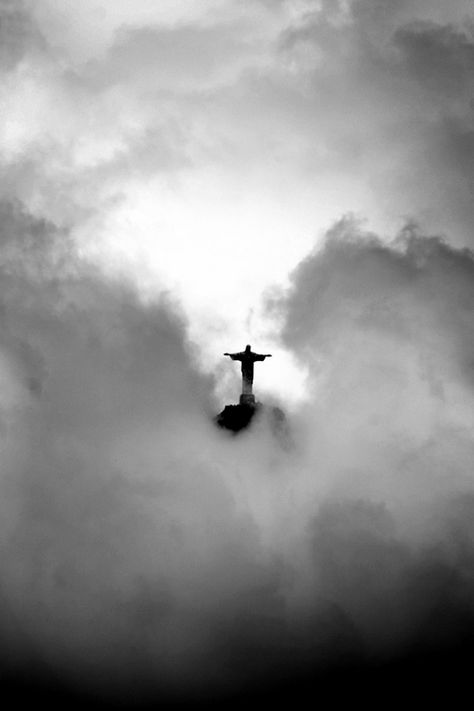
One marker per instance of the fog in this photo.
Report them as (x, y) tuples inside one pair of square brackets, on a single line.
[(143, 546), (178, 180)]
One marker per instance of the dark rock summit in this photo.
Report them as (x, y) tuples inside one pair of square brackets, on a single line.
[(236, 418)]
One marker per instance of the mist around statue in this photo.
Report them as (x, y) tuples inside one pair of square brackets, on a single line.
[(238, 417)]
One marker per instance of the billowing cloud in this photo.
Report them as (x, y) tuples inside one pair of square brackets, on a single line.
[(164, 167), (214, 133), (144, 549), (386, 332)]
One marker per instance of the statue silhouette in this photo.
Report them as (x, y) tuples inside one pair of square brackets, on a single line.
[(247, 358)]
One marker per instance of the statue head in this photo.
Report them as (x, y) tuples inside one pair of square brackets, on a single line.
[(247, 348)]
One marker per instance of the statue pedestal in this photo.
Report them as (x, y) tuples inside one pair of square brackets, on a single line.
[(247, 399)]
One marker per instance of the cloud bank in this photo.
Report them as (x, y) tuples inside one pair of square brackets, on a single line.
[(173, 179), (178, 142), (144, 549)]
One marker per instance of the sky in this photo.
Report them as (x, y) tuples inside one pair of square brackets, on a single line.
[(180, 179), (203, 148)]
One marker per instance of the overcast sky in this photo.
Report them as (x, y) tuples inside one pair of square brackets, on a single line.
[(205, 146), (180, 178)]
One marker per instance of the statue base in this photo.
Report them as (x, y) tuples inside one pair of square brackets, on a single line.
[(247, 400)]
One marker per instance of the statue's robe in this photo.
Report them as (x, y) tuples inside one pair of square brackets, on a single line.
[(247, 359)]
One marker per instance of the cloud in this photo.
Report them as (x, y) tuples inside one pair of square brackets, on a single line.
[(161, 126), (110, 502), (145, 549), (162, 167), (415, 290), (385, 331)]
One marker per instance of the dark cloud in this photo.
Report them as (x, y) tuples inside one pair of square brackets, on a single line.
[(416, 291), (439, 57), (110, 506), (19, 35)]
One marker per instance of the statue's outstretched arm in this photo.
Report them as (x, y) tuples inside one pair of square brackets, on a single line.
[(234, 356)]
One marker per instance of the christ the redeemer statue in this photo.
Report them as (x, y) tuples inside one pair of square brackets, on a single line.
[(247, 358)]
